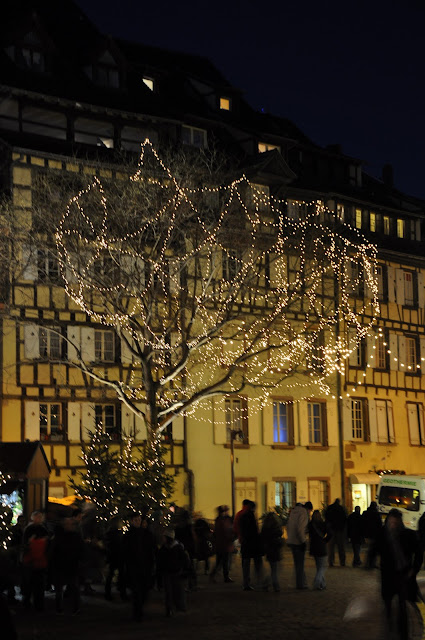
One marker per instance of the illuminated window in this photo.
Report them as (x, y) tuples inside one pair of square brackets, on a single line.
[(372, 222), (51, 427), (359, 423), (225, 104), (194, 137), (104, 346), (386, 225), (340, 213), (49, 343), (108, 416), (266, 146), (317, 423), (401, 228), (285, 494), (283, 432), (358, 218), (149, 83), (410, 359), (236, 411)]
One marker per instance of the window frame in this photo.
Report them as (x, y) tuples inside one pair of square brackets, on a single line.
[(45, 338), (100, 350), (113, 430), (323, 427), (365, 433), (236, 422), (278, 403), (47, 427)]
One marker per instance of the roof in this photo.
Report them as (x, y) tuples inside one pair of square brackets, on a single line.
[(16, 458)]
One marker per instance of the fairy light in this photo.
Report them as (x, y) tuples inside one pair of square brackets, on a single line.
[(193, 300), (5, 514)]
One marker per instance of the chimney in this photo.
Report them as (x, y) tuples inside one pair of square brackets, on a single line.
[(388, 175)]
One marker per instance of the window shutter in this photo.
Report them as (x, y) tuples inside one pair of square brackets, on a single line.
[(31, 341), (219, 421), (371, 342), (126, 353), (401, 353), (324, 411), (32, 420), (178, 428), (127, 422), (29, 263), (291, 430), (421, 290), (87, 344), (393, 339), (373, 421), (422, 350), (88, 423), (391, 434), (391, 284), (74, 335), (251, 422), (347, 419), (303, 418), (74, 418), (366, 429), (400, 286), (413, 419), (140, 424), (267, 418), (270, 495)]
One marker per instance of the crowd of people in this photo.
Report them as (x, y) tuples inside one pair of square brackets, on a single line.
[(166, 552)]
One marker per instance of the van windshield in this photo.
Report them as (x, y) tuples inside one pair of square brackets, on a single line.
[(400, 497)]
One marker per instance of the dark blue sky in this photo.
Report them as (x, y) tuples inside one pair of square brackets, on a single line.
[(345, 71)]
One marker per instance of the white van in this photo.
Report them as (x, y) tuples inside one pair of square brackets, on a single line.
[(406, 493)]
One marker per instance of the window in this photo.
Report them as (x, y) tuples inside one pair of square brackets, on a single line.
[(194, 137), (260, 197), (384, 421), (104, 346), (50, 343), (415, 417), (400, 497), (401, 228), (386, 225), (236, 410), (51, 427), (359, 421), (372, 221), (296, 210), (382, 282), (285, 494), (94, 132), (357, 279), (410, 356), (231, 264), (317, 431), (409, 288), (149, 83), (340, 212), (33, 59), (107, 415), (358, 218), (266, 146), (357, 355), (381, 352), (225, 104), (47, 266), (283, 431)]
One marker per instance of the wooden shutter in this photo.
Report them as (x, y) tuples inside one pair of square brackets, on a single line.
[(422, 352), (87, 344), (140, 424), (252, 422), (390, 419), (74, 421), (303, 427), (219, 421), (88, 422), (29, 263), (267, 419), (416, 422), (74, 335), (400, 286), (270, 496), (347, 419), (393, 340), (178, 428), (421, 290), (392, 288), (31, 341), (32, 420), (127, 422), (374, 413)]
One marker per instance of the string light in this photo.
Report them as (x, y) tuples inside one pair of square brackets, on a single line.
[(211, 303)]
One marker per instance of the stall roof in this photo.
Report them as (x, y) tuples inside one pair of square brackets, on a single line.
[(24, 459)]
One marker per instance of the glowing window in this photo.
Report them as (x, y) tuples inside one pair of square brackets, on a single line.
[(225, 104), (340, 213), (372, 222), (266, 146), (386, 221), (358, 218), (401, 230)]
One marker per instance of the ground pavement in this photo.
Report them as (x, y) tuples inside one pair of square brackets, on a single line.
[(350, 608)]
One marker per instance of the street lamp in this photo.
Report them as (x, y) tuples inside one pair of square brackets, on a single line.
[(234, 433)]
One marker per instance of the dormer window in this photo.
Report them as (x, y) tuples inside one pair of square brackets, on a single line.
[(266, 146), (28, 57), (104, 72), (224, 103), (149, 83)]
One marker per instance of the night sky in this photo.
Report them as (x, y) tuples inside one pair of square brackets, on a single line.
[(345, 71)]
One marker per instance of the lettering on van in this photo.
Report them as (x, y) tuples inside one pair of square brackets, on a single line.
[(409, 483)]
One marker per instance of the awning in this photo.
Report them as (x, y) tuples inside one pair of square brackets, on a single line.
[(364, 478)]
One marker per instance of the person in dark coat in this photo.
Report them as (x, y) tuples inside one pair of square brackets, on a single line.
[(184, 533), (336, 522), (372, 525), (223, 542), (173, 567), (66, 555), (319, 537), (355, 534), (34, 562), (139, 554), (203, 542), (114, 558), (272, 542), (401, 559), (250, 546)]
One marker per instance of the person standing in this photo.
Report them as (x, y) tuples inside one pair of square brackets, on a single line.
[(271, 540), (318, 539), (66, 555), (114, 558), (35, 561), (139, 554), (173, 566), (355, 534), (401, 559), (250, 546), (297, 528), (223, 541), (336, 521), (372, 525)]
